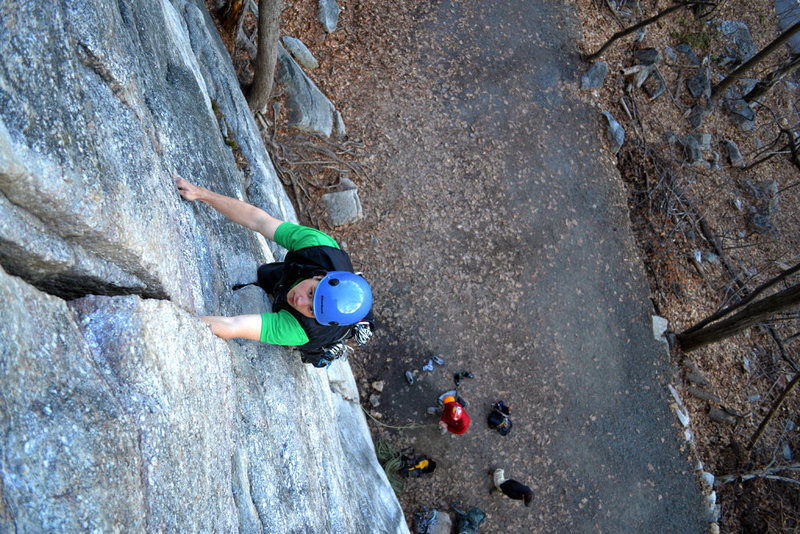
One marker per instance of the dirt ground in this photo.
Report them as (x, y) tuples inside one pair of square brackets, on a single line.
[(748, 372), (371, 70)]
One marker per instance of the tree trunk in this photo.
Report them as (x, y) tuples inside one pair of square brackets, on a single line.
[(269, 19), (750, 315), (742, 69), (769, 81), (747, 300)]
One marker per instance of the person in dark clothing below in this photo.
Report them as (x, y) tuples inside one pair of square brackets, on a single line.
[(511, 488), (317, 296)]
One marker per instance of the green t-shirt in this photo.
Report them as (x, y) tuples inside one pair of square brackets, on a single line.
[(281, 328)]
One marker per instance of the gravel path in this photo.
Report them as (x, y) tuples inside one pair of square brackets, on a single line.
[(496, 236)]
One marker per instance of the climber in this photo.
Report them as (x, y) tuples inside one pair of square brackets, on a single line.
[(454, 417), (317, 296)]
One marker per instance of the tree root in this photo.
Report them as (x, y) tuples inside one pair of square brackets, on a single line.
[(309, 165)]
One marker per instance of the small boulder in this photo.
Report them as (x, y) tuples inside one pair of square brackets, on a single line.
[(704, 140), (655, 86), (698, 114), (716, 161), (700, 84), (742, 114), (693, 151), (673, 140), (733, 153), (344, 207), (329, 14), (648, 56), (762, 224), (768, 195), (595, 76), (711, 509), (309, 109), (740, 40), (338, 125)]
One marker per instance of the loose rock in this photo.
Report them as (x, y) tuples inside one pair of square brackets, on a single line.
[(329, 14), (344, 207), (614, 132), (686, 50), (595, 76), (660, 325), (733, 153), (742, 114), (700, 84), (648, 56), (740, 39), (693, 151), (300, 52), (698, 114)]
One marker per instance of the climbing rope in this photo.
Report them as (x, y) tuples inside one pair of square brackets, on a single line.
[(354, 401), (392, 426)]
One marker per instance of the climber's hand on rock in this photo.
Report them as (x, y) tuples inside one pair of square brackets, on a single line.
[(187, 190)]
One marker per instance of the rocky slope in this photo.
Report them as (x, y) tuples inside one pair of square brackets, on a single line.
[(120, 410)]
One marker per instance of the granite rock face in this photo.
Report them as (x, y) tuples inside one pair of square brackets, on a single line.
[(119, 410)]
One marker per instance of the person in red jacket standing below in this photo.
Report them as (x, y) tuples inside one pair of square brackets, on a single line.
[(454, 417)]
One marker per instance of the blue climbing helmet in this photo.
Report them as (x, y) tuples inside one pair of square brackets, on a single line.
[(341, 298)]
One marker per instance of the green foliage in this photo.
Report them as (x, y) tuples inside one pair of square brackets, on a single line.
[(694, 33)]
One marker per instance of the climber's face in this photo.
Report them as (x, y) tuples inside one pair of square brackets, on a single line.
[(301, 296)]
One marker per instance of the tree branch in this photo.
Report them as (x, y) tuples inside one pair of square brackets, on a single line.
[(646, 22), (772, 412), (742, 69)]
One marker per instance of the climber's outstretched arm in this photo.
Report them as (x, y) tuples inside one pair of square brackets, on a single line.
[(234, 209), (239, 326)]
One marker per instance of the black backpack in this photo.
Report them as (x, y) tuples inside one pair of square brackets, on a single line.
[(498, 418), (276, 277)]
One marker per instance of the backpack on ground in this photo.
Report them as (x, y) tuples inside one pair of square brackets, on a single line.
[(498, 418), (416, 466), (468, 522)]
